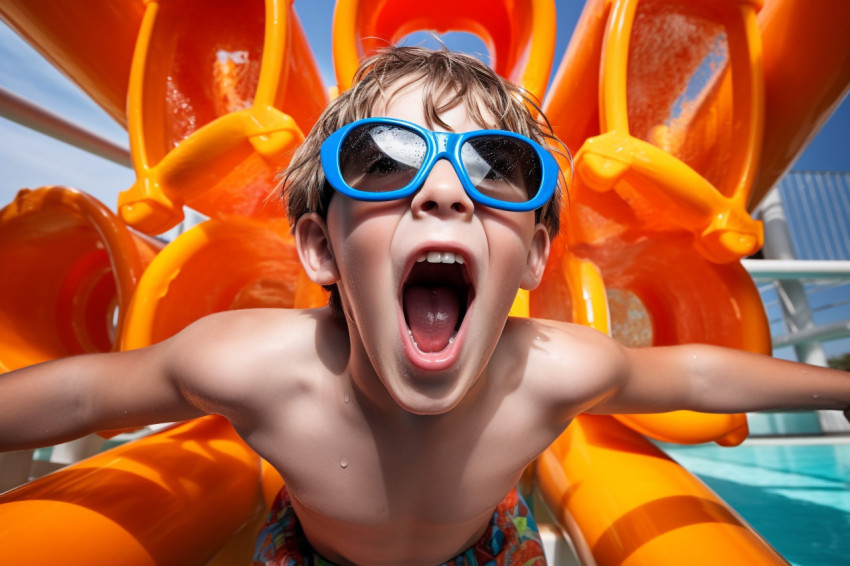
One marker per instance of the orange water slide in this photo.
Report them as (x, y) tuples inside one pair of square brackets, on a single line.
[(805, 52), (71, 270), (637, 210), (618, 496), (650, 256), (91, 43), (240, 262), (180, 497), (213, 115), (193, 494), (519, 34), (626, 503), (807, 75), (203, 88)]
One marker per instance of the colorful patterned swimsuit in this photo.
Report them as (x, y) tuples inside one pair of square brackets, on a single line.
[(511, 538)]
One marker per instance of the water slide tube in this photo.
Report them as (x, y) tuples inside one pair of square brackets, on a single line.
[(212, 113), (626, 227), (241, 262), (71, 269), (818, 70), (519, 34), (172, 498), (162, 504), (92, 47), (635, 203), (193, 494)]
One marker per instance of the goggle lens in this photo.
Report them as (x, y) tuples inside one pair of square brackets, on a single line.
[(501, 167), (378, 158)]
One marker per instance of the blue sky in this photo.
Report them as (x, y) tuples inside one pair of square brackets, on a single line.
[(29, 159)]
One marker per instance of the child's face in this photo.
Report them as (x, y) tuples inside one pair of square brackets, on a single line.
[(427, 328)]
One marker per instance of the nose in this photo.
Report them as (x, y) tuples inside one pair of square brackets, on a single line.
[(442, 193)]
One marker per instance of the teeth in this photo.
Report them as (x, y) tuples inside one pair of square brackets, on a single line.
[(440, 257)]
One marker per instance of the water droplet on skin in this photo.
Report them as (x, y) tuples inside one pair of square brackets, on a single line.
[(343, 463), (815, 395), (805, 371), (346, 398)]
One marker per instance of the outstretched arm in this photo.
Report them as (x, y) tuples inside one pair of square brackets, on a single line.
[(235, 364), (712, 379), (60, 400)]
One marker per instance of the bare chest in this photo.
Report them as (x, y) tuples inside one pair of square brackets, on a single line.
[(404, 492)]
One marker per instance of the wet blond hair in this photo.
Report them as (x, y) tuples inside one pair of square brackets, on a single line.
[(447, 79)]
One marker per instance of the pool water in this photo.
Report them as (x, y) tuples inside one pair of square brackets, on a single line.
[(794, 492)]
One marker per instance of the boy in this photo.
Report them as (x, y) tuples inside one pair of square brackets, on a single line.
[(401, 416)]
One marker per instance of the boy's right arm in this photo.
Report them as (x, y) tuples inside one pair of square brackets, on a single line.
[(239, 364), (60, 400)]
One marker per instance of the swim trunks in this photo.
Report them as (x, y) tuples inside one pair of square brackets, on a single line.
[(511, 538)]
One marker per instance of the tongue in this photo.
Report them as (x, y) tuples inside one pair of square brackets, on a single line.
[(432, 314)]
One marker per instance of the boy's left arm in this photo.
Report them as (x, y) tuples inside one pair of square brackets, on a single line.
[(713, 379)]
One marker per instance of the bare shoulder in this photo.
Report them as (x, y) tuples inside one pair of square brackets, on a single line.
[(231, 361), (568, 364), (250, 331)]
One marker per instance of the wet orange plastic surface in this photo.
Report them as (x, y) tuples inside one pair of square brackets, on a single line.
[(75, 265), (242, 263), (636, 506), (169, 499), (807, 74), (519, 34), (637, 209), (212, 113), (218, 95), (92, 46)]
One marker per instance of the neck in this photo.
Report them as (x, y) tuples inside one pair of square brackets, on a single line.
[(376, 401)]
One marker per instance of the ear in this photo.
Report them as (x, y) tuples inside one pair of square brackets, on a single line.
[(538, 255), (314, 249)]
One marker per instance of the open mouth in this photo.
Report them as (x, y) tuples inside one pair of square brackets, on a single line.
[(435, 298)]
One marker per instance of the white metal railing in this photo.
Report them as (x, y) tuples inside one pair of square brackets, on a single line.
[(785, 269), (821, 271), (41, 120)]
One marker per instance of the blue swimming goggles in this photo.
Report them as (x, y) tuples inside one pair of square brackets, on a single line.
[(381, 159)]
